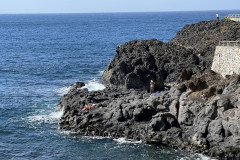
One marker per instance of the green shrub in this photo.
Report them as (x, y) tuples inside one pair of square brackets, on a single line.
[(226, 18)]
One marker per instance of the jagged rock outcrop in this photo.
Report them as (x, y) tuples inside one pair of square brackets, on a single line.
[(189, 52), (205, 35), (137, 62), (201, 111), (191, 115)]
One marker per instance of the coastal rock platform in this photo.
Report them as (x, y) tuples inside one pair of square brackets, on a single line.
[(192, 108), (204, 118)]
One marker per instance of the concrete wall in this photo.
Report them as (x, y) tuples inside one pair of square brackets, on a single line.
[(226, 60), (235, 19)]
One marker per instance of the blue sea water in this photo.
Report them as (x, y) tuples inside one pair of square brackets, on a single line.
[(42, 54)]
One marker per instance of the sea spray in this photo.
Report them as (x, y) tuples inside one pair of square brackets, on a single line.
[(94, 85), (124, 140), (47, 117), (63, 90)]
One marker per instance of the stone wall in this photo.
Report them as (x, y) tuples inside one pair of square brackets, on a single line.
[(237, 19), (234, 17), (226, 60)]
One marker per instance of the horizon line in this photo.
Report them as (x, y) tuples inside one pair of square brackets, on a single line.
[(117, 12)]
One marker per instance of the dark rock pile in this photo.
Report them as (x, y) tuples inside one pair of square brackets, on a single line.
[(189, 52), (205, 35), (200, 111), (137, 62), (202, 114)]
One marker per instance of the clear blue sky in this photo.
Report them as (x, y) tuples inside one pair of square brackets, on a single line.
[(93, 6)]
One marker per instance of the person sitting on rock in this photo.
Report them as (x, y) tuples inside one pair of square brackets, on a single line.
[(89, 106), (152, 85)]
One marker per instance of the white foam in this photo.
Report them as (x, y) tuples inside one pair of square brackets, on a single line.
[(94, 85), (66, 132), (203, 157), (63, 90), (124, 140), (56, 115), (197, 156), (46, 118), (100, 72), (95, 137)]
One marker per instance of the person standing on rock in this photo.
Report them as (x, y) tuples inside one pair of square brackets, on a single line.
[(217, 16), (152, 85)]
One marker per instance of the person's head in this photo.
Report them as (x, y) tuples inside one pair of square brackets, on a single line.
[(151, 80)]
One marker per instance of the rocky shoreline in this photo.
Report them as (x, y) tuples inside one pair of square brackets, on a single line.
[(198, 109), (204, 119)]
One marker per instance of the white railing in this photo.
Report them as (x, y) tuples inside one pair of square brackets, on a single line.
[(233, 16), (229, 43)]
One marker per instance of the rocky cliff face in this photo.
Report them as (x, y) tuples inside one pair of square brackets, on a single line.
[(191, 51), (202, 114), (205, 35), (137, 62), (201, 111)]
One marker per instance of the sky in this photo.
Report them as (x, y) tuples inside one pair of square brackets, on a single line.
[(99, 6)]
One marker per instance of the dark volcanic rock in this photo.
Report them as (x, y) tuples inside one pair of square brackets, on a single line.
[(205, 35), (125, 112), (181, 118), (191, 51), (137, 62), (201, 112)]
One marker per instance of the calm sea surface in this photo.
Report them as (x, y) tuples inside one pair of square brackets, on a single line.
[(43, 54)]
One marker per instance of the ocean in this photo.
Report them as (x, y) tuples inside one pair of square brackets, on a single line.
[(42, 54)]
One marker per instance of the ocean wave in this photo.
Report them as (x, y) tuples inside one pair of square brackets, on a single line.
[(91, 85), (118, 140), (75, 134), (51, 117), (100, 73), (63, 90), (94, 85), (124, 140), (95, 137), (63, 132), (197, 156), (203, 157)]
